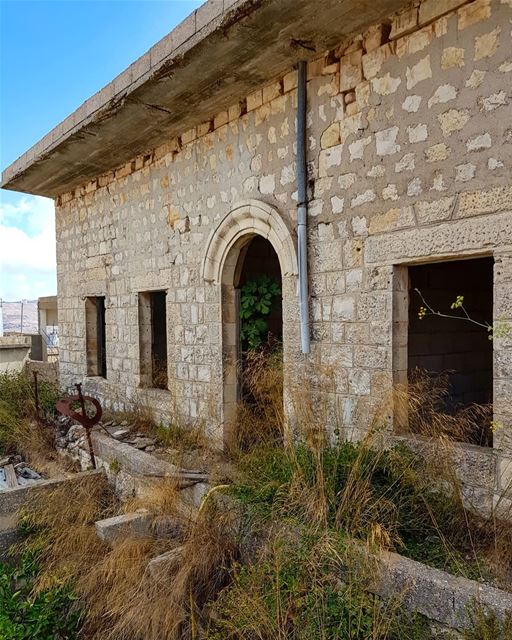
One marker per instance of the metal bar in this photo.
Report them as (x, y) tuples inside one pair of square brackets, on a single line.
[(302, 207)]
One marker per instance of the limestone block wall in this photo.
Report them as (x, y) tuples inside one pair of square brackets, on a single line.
[(409, 149)]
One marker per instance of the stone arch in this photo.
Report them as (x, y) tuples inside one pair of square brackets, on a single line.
[(246, 219), (225, 254)]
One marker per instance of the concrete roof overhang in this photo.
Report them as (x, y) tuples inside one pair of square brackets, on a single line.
[(216, 56)]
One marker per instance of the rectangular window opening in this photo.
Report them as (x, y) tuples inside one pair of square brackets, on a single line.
[(96, 336), (153, 339), (448, 360)]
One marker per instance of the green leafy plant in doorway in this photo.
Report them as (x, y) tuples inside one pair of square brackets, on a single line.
[(257, 298)]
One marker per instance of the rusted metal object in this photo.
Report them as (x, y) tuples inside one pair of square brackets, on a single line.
[(64, 406), (36, 396)]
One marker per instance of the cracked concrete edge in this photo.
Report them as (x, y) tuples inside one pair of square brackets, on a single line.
[(13, 499), (187, 34), (436, 594)]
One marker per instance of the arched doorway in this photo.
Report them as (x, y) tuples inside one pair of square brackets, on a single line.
[(251, 241), (252, 319)]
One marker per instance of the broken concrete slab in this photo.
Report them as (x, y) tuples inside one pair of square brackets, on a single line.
[(128, 525), (162, 563)]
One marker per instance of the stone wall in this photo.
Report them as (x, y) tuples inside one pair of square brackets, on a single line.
[(409, 149)]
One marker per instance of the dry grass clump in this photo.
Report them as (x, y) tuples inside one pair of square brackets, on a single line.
[(287, 551), (423, 403), (64, 543), (21, 430), (260, 413), (124, 599)]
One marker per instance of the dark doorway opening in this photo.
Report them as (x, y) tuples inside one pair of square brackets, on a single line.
[(252, 351), (454, 348)]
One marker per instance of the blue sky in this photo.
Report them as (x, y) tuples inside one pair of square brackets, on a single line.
[(53, 56)]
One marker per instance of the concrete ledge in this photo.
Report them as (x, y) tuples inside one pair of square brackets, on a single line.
[(13, 499), (438, 595), (127, 525), (131, 460)]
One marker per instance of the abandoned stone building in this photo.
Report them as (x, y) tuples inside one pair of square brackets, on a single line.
[(357, 151)]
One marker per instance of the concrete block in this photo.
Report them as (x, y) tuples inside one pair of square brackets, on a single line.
[(128, 525), (160, 565)]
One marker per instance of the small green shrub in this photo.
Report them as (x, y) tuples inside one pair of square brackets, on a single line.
[(47, 615), (257, 297)]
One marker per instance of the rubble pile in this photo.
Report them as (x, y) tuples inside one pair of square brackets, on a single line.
[(72, 437), (15, 472)]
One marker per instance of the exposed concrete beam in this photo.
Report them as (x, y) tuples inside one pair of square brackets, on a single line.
[(215, 57)]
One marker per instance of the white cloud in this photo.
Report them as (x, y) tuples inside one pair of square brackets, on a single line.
[(27, 248)]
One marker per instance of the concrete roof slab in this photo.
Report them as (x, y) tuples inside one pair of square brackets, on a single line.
[(214, 58)]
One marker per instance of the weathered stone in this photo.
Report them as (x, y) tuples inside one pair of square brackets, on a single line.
[(337, 204), (417, 133), (411, 104), (438, 595), (391, 220), (443, 94), (363, 198), (487, 44), (329, 158), (351, 71), (473, 12), (373, 37), (452, 57), (494, 101), (363, 95), (419, 72), (356, 149), (477, 143), (414, 188), (414, 42), (385, 85), (386, 141), (373, 61), (349, 97), (465, 172), (437, 152), (117, 528), (267, 184), (485, 201), (407, 163), (453, 120), (331, 136), (435, 211), (254, 100), (390, 192), (475, 79)]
